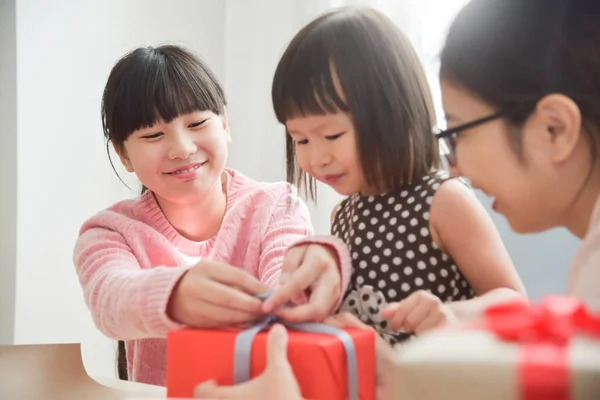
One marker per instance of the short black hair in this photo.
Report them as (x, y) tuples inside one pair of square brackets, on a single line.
[(157, 82), (512, 53), (384, 90)]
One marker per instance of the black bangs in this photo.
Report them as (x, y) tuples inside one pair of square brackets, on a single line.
[(305, 82), (149, 84)]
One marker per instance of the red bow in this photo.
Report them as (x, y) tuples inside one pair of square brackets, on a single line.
[(555, 320), (543, 332)]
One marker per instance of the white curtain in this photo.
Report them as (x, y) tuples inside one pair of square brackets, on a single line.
[(256, 34)]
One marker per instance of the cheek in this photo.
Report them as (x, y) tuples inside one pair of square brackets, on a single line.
[(303, 158)]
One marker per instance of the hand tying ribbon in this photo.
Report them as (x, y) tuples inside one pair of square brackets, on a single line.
[(243, 347)]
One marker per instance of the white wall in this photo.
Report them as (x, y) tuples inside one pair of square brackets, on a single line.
[(54, 170), (8, 175)]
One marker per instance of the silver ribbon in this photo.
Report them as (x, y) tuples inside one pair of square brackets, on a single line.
[(243, 347)]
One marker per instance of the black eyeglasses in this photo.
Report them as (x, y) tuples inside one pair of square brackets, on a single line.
[(447, 138)]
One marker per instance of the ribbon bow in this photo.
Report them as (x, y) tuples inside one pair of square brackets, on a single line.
[(555, 320), (243, 347)]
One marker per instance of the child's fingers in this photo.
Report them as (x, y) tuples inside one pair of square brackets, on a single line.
[(297, 283), (228, 297), (230, 275), (415, 316)]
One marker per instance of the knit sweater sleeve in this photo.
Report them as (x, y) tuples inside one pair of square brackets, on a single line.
[(126, 301)]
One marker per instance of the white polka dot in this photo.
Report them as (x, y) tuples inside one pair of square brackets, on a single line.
[(360, 280), (405, 287), (408, 271), (372, 274), (433, 261), (426, 215), (441, 289), (378, 207), (366, 212), (417, 188), (392, 293), (405, 214), (389, 236), (444, 257), (410, 200), (404, 193), (355, 218), (464, 284), (361, 226), (386, 214), (387, 252), (423, 248), (431, 277), (412, 238), (419, 281), (435, 186), (393, 221), (354, 255), (424, 232), (370, 235), (385, 268), (402, 229), (362, 264), (375, 259), (435, 246), (428, 200), (358, 240), (414, 222), (378, 244), (381, 228), (371, 199), (455, 292), (410, 254), (391, 200), (394, 277), (366, 249), (453, 268), (374, 221), (421, 265), (398, 207), (399, 244), (360, 205), (397, 261), (444, 272), (424, 193), (381, 284), (418, 207)]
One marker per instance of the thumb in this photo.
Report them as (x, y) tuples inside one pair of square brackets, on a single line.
[(277, 347), (205, 389)]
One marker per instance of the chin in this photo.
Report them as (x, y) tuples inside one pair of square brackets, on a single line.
[(523, 227)]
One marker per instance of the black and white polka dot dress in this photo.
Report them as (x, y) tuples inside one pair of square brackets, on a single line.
[(393, 252)]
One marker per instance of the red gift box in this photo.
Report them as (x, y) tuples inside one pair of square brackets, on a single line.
[(318, 361)]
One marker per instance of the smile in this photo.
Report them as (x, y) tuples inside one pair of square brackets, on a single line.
[(186, 169)]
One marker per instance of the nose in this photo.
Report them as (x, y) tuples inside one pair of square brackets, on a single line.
[(320, 157), (182, 145)]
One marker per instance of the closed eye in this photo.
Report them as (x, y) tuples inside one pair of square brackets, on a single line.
[(303, 141), (152, 135), (334, 137), (197, 124)]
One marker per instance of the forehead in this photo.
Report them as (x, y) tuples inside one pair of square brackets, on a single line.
[(460, 105), (316, 123)]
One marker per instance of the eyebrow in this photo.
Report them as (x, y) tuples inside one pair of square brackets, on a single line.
[(317, 128)]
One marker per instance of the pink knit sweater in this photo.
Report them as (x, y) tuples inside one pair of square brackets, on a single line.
[(129, 258)]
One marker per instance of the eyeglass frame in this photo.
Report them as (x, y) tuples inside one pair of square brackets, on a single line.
[(448, 136)]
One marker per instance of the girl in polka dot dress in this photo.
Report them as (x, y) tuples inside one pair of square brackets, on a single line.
[(358, 113)]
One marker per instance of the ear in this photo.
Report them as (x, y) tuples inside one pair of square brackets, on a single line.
[(226, 126), (560, 119), (123, 157)]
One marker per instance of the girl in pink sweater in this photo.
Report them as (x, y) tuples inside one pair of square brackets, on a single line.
[(202, 240)]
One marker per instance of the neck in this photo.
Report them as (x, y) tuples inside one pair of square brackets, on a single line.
[(578, 220), (200, 220)]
